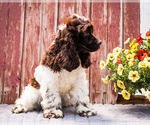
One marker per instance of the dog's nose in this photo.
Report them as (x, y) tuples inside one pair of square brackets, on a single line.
[(99, 42)]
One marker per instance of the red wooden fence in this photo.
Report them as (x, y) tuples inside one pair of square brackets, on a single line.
[(26, 30)]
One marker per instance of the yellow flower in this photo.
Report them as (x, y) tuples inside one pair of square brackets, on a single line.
[(105, 80), (148, 65), (120, 84), (109, 81), (115, 60), (130, 57), (148, 96), (102, 64), (134, 47), (127, 41), (115, 87), (125, 94), (134, 54), (131, 63), (120, 69), (148, 43), (133, 75), (107, 62), (147, 58), (133, 42), (127, 51), (111, 56), (143, 64), (116, 50)]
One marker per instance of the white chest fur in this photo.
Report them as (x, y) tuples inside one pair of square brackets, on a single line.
[(64, 80)]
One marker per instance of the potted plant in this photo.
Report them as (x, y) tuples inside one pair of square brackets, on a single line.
[(129, 68)]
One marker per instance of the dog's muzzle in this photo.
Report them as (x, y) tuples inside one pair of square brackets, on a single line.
[(95, 46)]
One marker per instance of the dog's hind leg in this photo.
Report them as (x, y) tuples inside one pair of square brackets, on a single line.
[(29, 100)]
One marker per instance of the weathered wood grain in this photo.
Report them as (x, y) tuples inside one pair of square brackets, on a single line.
[(13, 54), (114, 38), (99, 19), (131, 19), (50, 14), (65, 9), (3, 42), (83, 7), (32, 41)]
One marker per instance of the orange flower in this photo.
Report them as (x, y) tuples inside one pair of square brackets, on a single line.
[(148, 33)]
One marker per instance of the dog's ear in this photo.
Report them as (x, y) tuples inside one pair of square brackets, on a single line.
[(68, 57), (85, 59)]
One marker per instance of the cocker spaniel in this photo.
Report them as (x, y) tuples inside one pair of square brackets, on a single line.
[(60, 79)]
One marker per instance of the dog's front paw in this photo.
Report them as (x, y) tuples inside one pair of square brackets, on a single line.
[(85, 110), (19, 109), (87, 113), (53, 113)]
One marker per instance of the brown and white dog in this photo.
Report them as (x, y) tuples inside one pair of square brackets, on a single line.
[(60, 79)]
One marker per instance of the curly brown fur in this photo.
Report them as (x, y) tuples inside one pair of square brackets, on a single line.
[(72, 44), (62, 54), (85, 59)]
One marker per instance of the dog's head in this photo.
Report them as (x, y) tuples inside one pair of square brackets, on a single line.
[(83, 28), (72, 45)]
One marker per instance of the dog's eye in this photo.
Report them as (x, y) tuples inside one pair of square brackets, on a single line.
[(88, 28)]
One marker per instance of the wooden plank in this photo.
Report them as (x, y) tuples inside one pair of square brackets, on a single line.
[(3, 41), (131, 19), (114, 27), (99, 19), (32, 35), (13, 54), (82, 7), (49, 23), (66, 9)]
